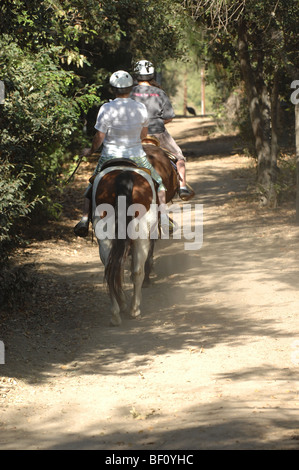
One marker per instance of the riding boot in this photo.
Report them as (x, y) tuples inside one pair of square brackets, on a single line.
[(186, 193), (81, 229)]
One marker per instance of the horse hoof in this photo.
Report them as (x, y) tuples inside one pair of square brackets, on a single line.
[(124, 309), (115, 321), (135, 313)]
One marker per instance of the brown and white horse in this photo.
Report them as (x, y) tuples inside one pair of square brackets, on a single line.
[(123, 182)]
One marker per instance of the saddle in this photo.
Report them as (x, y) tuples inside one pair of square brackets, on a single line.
[(120, 162), (152, 140)]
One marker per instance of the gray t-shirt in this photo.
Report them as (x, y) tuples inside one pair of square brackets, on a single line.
[(158, 106)]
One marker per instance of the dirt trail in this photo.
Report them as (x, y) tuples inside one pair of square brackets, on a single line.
[(213, 361)]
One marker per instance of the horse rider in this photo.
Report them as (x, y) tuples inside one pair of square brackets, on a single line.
[(160, 111), (121, 126)]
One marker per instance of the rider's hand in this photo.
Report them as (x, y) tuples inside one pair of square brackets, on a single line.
[(86, 152)]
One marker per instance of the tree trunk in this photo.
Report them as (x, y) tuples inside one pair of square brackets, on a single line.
[(257, 105), (274, 122), (185, 103), (262, 91), (297, 158), (203, 93)]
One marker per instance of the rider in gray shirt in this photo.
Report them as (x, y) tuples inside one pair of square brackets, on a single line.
[(158, 106), (160, 112)]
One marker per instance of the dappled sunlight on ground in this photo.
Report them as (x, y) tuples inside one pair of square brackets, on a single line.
[(210, 364)]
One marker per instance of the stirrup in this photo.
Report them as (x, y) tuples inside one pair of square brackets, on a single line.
[(186, 193), (169, 228)]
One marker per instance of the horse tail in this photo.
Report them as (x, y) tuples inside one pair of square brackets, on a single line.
[(120, 246)]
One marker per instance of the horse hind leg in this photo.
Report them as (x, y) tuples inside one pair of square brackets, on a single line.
[(149, 265), (140, 251)]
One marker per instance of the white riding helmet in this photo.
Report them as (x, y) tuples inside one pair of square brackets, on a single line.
[(121, 80), (144, 70)]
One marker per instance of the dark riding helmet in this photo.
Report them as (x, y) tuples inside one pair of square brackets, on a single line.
[(121, 82), (144, 70)]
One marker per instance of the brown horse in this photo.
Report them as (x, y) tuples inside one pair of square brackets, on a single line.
[(119, 179), (165, 167), (167, 170)]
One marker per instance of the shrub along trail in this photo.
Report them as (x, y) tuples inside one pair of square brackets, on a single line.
[(213, 361)]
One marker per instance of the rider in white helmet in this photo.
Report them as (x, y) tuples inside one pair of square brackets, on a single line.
[(160, 112), (120, 126)]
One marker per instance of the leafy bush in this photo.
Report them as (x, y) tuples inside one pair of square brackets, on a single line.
[(42, 111), (55, 59), (15, 203), (39, 119), (16, 284)]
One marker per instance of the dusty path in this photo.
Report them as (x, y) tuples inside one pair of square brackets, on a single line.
[(211, 364)]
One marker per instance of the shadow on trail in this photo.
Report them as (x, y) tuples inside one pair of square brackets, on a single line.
[(66, 323), (63, 328), (229, 429), (200, 140), (215, 147), (67, 316)]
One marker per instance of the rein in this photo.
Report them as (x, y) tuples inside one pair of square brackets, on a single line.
[(75, 170), (98, 152)]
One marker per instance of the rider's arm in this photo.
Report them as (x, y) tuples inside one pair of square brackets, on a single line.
[(96, 143), (98, 139), (167, 111)]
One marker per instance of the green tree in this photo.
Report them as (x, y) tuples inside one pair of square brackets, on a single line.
[(41, 114), (261, 39), (55, 60)]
